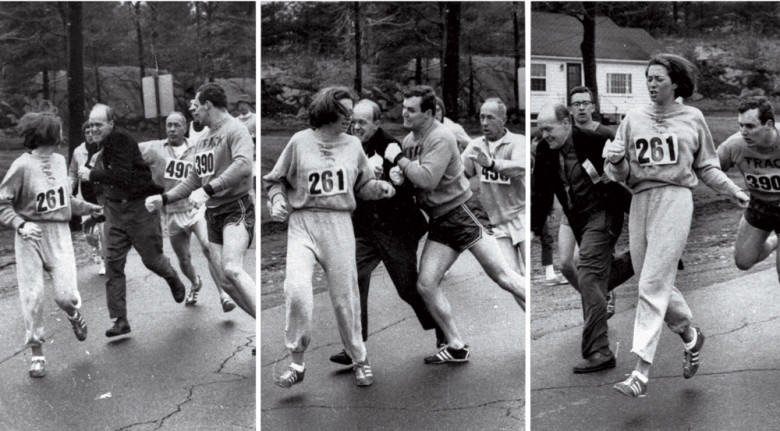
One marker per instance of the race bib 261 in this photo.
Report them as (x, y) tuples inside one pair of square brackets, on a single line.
[(657, 150), (51, 200), (327, 182)]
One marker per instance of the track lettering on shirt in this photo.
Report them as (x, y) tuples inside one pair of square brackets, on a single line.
[(491, 177), (327, 181), (204, 163), (51, 200), (176, 169), (657, 150), (768, 183)]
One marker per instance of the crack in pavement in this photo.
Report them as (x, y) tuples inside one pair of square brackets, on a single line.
[(667, 377), (335, 343), (489, 404), (160, 422)]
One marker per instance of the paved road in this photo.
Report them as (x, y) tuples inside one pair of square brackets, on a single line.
[(735, 388), (486, 393), (180, 368)]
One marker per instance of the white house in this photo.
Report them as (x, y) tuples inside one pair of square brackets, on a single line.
[(556, 62)]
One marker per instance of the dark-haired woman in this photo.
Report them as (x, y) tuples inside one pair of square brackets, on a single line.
[(660, 150), (314, 183), (35, 200)]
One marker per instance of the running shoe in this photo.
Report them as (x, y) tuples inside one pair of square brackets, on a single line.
[(691, 357), (192, 297), (290, 377), (121, 327), (79, 325), (448, 354), (363, 374), (227, 305), (555, 281), (611, 297), (341, 358), (37, 368), (632, 386)]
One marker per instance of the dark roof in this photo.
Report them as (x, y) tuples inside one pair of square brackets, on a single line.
[(558, 35)]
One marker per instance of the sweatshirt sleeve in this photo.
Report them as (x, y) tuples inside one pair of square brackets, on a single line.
[(275, 182), (241, 147), (183, 189), (427, 171), (619, 172), (73, 173), (80, 207), (468, 165), (724, 155), (10, 188), (706, 163), (514, 166)]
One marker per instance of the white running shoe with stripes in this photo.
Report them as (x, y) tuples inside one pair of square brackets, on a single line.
[(448, 354), (633, 386)]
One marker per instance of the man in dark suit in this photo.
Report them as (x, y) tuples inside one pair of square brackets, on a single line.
[(126, 181), (569, 165)]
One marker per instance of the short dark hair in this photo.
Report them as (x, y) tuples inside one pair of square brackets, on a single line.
[(580, 89), (765, 111), (428, 96), (39, 129), (681, 71), (325, 107), (84, 128), (214, 93)]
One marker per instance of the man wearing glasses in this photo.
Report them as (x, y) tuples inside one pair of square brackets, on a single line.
[(581, 107), (126, 181)]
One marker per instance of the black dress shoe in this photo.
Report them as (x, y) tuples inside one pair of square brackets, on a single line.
[(341, 358), (121, 327), (596, 362), (177, 289)]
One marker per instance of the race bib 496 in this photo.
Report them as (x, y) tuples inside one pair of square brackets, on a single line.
[(327, 182), (177, 169), (657, 150)]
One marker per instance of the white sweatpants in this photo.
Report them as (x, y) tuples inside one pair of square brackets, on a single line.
[(658, 227), (53, 254), (327, 238)]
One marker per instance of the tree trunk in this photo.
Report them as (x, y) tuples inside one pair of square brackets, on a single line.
[(140, 41), (471, 89), (588, 48), (518, 54), (75, 76), (418, 70), (97, 73), (450, 76), (199, 54), (358, 59)]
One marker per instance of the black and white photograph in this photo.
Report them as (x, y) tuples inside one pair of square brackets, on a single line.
[(653, 272), (393, 162), (127, 223)]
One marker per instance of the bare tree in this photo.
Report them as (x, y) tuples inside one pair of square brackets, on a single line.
[(358, 58), (75, 75)]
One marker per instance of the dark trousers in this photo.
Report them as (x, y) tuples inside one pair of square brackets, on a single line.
[(598, 272), (398, 251), (130, 224), (548, 242)]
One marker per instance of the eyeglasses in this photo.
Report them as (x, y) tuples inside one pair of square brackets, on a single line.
[(583, 104)]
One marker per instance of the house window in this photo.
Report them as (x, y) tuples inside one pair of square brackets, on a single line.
[(619, 83), (538, 77)]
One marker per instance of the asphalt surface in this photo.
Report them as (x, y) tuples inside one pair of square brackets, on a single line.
[(181, 368), (488, 392), (735, 387)]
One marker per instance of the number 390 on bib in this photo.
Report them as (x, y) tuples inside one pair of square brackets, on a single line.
[(657, 150)]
